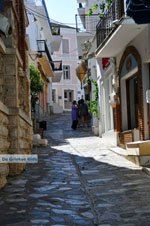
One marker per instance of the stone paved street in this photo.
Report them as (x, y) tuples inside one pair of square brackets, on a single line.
[(77, 182)]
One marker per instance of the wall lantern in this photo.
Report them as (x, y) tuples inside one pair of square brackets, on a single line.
[(81, 70)]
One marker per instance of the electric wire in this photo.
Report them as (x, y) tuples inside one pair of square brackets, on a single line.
[(46, 17), (34, 13)]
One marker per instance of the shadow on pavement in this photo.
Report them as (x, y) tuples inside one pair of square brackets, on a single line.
[(71, 190)]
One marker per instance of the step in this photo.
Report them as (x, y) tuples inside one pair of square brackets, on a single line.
[(137, 152), (138, 148)]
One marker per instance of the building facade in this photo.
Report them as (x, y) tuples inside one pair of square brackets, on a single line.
[(125, 81), (86, 39), (15, 109), (66, 86), (122, 70), (40, 40)]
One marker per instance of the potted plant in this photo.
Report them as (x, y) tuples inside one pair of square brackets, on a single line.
[(93, 108)]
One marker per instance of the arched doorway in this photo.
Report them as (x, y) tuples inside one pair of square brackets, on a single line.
[(131, 96)]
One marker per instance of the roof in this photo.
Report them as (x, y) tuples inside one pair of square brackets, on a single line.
[(62, 25)]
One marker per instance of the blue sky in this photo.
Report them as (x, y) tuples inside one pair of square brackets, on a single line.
[(62, 10)]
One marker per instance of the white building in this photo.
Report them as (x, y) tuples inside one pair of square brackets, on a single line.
[(41, 43), (86, 37), (66, 85)]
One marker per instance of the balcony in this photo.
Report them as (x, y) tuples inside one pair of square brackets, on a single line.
[(43, 48), (45, 60), (86, 29), (115, 30), (57, 37), (85, 23), (57, 66)]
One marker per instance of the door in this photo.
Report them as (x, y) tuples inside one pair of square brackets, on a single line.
[(68, 99), (132, 102)]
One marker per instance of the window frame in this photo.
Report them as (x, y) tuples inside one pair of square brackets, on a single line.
[(65, 71)]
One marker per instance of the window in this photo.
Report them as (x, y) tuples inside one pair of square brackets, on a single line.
[(54, 95), (70, 96), (132, 102), (66, 72), (65, 46), (65, 95)]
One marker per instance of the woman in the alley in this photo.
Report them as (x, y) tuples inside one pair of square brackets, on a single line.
[(74, 115)]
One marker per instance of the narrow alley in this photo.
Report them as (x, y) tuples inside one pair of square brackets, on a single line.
[(77, 181)]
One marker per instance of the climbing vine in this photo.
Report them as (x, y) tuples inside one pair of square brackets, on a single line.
[(94, 103), (36, 85), (104, 4)]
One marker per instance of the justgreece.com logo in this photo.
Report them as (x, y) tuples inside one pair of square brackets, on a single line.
[(18, 158)]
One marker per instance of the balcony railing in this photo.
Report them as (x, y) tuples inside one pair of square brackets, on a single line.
[(107, 24), (43, 48), (85, 23), (57, 65)]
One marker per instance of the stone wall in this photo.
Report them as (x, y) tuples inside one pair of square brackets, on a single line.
[(15, 107), (4, 143), (20, 138)]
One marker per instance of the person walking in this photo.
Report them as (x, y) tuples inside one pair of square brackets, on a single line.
[(84, 112), (79, 116), (74, 115)]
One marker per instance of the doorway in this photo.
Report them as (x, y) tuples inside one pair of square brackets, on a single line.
[(132, 102), (68, 99)]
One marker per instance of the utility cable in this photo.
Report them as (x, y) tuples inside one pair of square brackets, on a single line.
[(46, 17)]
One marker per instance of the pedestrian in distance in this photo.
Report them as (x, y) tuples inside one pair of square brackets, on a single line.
[(79, 112), (74, 115)]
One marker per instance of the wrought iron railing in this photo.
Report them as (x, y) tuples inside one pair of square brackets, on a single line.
[(57, 65), (108, 23), (43, 48)]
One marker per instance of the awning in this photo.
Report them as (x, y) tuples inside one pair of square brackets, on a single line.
[(81, 70), (46, 66)]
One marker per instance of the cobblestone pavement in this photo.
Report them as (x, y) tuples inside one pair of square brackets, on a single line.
[(77, 182)]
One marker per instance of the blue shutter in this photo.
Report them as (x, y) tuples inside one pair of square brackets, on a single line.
[(2, 5), (139, 10)]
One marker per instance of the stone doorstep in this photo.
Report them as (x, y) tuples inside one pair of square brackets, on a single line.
[(138, 148), (140, 160)]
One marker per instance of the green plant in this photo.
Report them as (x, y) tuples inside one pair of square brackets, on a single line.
[(36, 85), (101, 6), (94, 103)]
